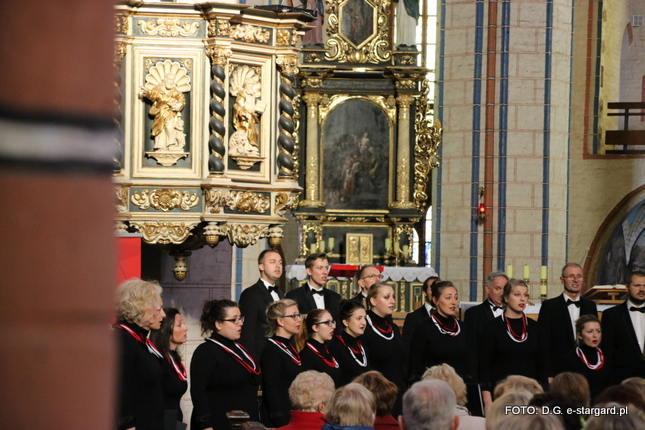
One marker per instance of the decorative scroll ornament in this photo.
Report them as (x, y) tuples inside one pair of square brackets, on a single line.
[(426, 146), (305, 228), (250, 33), (244, 235), (165, 84), (122, 199), (284, 202), (219, 57), (407, 80), (358, 41), (168, 27), (219, 27), (313, 58), (120, 227), (164, 232), (165, 199), (356, 219), (283, 37), (243, 144), (121, 24), (242, 201), (215, 200)]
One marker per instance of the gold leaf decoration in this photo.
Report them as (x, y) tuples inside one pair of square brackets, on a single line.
[(168, 27), (165, 199)]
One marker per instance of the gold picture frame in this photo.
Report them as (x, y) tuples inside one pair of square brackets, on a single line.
[(359, 248)]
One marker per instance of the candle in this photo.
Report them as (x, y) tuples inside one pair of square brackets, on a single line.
[(405, 250), (312, 248), (543, 288), (397, 247), (526, 274), (330, 244), (388, 244), (542, 272), (321, 246), (509, 271)]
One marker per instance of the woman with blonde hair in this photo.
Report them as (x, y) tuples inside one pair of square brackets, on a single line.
[(497, 411), (319, 327), (280, 361), (138, 310), (384, 393), (517, 383), (352, 407)]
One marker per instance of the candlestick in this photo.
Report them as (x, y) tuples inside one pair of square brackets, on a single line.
[(526, 272), (509, 271), (321, 246), (330, 244)]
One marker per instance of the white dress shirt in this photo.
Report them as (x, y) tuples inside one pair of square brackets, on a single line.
[(638, 322), (574, 312), (274, 294), (319, 299)]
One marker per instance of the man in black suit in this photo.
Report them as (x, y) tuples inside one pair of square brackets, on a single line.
[(255, 299), (557, 318), (623, 331), (416, 317), (314, 295), (476, 317), (365, 278)]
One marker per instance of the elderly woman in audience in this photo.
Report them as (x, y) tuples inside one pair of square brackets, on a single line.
[(587, 357), (224, 376), (346, 346), (310, 394), (139, 309), (384, 393), (510, 344), (280, 361), (632, 420), (445, 372), (352, 407), (172, 334), (573, 386), (429, 405), (498, 411), (517, 383), (530, 422), (319, 327)]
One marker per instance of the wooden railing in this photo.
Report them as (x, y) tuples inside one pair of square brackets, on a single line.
[(627, 141)]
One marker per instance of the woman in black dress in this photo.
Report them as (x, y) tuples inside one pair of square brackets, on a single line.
[(280, 360), (224, 376), (510, 343), (345, 346), (315, 356), (382, 339), (139, 309), (587, 358), (442, 338), (173, 332)]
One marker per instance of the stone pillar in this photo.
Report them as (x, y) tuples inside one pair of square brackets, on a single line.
[(403, 155), (312, 199), (58, 279)]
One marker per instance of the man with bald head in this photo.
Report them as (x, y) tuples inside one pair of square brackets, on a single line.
[(365, 278)]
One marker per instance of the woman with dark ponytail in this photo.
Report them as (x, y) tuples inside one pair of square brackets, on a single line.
[(319, 326), (345, 346), (173, 332), (224, 376)]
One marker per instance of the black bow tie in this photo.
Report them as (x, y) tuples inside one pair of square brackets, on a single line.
[(496, 308), (571, 302), (321, 292), (635, 309), (273, 290)]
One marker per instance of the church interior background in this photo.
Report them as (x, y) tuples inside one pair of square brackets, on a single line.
[(516, 128)]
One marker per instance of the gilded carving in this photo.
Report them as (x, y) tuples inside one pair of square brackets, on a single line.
[(164, 232), (356, 219), (215, 200), (121, 199), (408, 60), (165, 84), (288, 64), (250, 33), (426, 147), (275, 236), (247, 201), (374, 49), (284, 202), (120, 227), (244, 235), (120, 50), (165, 199), (168, 27), (296, 139), (388, 108), (121, 24), (218, 55), (305, 228), (325, 218), (244, 146), (407, 81), (283, 37), (313, 58), (218, 27)]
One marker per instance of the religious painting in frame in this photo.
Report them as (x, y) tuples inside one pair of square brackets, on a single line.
[(359, 249), (357, 136)]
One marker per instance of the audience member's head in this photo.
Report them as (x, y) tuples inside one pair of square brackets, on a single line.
[(517, 383), (498, 410), (429, 405), (558, 404), (311, 391), (573, 386), (636, 383), (530, 422), (622, 395), (445, 372), (633, 419), (352, 405), (384, 391)]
